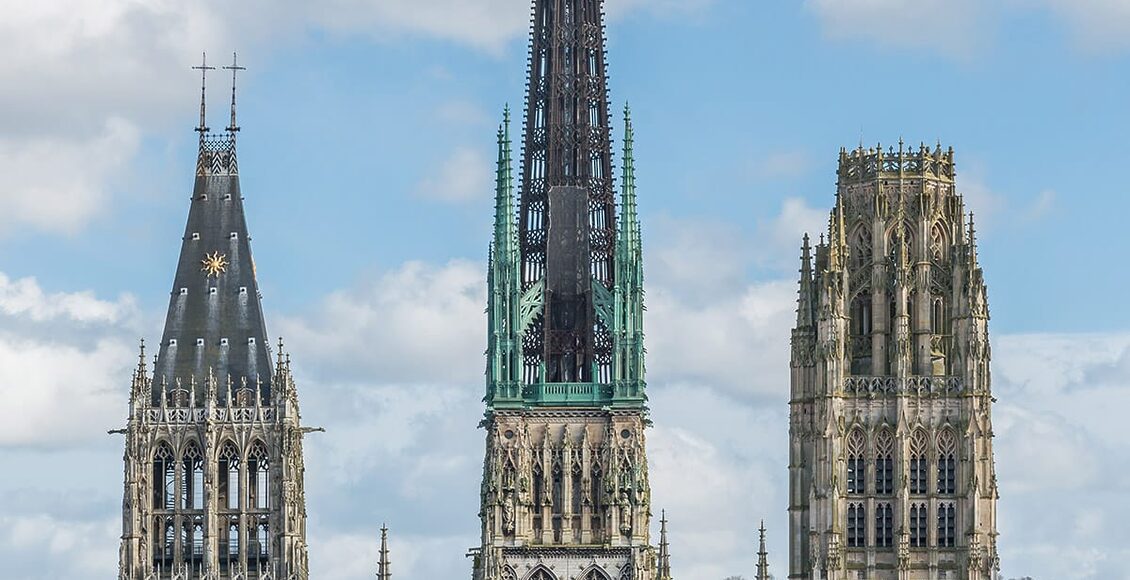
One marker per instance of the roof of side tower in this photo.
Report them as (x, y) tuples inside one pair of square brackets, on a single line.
[(215, 320)]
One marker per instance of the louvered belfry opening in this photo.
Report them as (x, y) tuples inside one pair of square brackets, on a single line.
[(567, 220)]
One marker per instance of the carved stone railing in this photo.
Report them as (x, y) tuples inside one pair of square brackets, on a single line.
[(878, 386), (194, 415), (863, 165)]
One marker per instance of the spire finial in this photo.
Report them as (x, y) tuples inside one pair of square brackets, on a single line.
[(234, 68), (664, 571), (203, 68), (762, 557), (383, 570)]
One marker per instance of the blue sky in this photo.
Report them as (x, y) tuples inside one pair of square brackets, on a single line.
[(367, 157)]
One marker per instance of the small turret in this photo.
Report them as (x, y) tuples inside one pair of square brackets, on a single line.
[(762, 557), (664, 571)]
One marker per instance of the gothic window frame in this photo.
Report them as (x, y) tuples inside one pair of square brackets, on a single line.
[(258, 477), (939, 243), (946, 462), (919, 524), (919, 463), (862, 245), (594, 573), (884, 525), (229, 463), (856, 476), (192, 477), (885, 462), (856, 525), (541, 573), (164, 466), (947, 524)]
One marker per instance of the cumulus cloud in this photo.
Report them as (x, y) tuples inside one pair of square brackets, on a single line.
[(464, 176), (397, 326)]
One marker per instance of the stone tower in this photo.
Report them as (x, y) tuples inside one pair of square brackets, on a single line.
[(213, 453), (565, 491), (891, 458)]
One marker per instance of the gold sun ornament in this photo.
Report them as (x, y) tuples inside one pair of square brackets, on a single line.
[(214, 264)]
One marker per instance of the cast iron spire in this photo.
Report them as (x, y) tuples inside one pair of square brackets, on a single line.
[(567, 218), (664, 564), (214, 325), (384, 570), (762, 557)]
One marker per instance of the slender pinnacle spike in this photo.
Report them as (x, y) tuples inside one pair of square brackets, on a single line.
[(203, 68), (384, 571), (762, 557), (234, 68)]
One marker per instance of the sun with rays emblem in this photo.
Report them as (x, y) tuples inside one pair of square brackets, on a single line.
[(214, 264)]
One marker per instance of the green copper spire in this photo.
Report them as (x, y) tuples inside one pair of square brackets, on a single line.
[(504, 334), (628, 354)]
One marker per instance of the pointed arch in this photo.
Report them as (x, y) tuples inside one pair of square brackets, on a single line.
[(508, 573), (228, 470), (939, 242), (856, 461), (541, 573), (594, 573), (258, 476), (861, 245), (164, 477), (192, 477), (947, 461), (919, 461), (885, 461)]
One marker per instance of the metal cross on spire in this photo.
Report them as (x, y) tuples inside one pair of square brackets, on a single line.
[(203, 68), (234, 68)]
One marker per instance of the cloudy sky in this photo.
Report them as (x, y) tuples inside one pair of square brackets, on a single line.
[(366, 157)]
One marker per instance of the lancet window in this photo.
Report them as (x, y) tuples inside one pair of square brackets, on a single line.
[(884, 463), (938, 243), (164, 478), (856, 525), (884, 525), (595, 574), (856, 463), (192, 483), (542, 574), (947, 525), (918, 518), (259, 476), (947, 463), (919, 464), (229, 476)]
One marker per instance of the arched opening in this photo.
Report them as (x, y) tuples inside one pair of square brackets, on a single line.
[(228, 473), (856, 463), (919, 466), (884, 462), (192, 483), (947, 463), (259, 477), (164, 478)]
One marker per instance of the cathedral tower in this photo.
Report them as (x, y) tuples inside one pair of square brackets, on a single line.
[(891, 459), (213, 454), (565, 491)]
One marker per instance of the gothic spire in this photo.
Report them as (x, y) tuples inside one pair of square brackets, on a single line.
[(504, 230), (805, 303), (762, 557), (384, 571), (664, 571), (629, 221), (215, 318), (567, 218)]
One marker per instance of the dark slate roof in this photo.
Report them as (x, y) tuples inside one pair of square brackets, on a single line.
[(215, 320)]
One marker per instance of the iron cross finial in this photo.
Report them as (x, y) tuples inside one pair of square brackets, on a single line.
[(234, 68), (203, 68)]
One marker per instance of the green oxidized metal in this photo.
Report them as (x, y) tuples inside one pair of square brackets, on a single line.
[(511, 311)]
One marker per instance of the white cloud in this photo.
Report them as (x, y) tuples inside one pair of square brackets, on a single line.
[(395, 327), (464, 176), (25, 298), (1097, 25), (782, 164), (954, 27)]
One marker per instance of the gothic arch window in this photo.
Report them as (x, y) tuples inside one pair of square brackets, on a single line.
[(164, 477), (884, 462), (907, 243), (170, 537), (541, 574), (856, 462), (233, 538), (595, 495), (938, 243), (918, 517), (884, 526), (595, 574), (919, 462), (558, 499), (228, 474), (947, 525), (947, 463), (861, 246), (258, 477), (260, 540), (938, 314), (509, 574), (197, 537), (856, 525), (577, 487), (192, 482)]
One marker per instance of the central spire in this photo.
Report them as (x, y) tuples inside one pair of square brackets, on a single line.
[(567, 218)]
